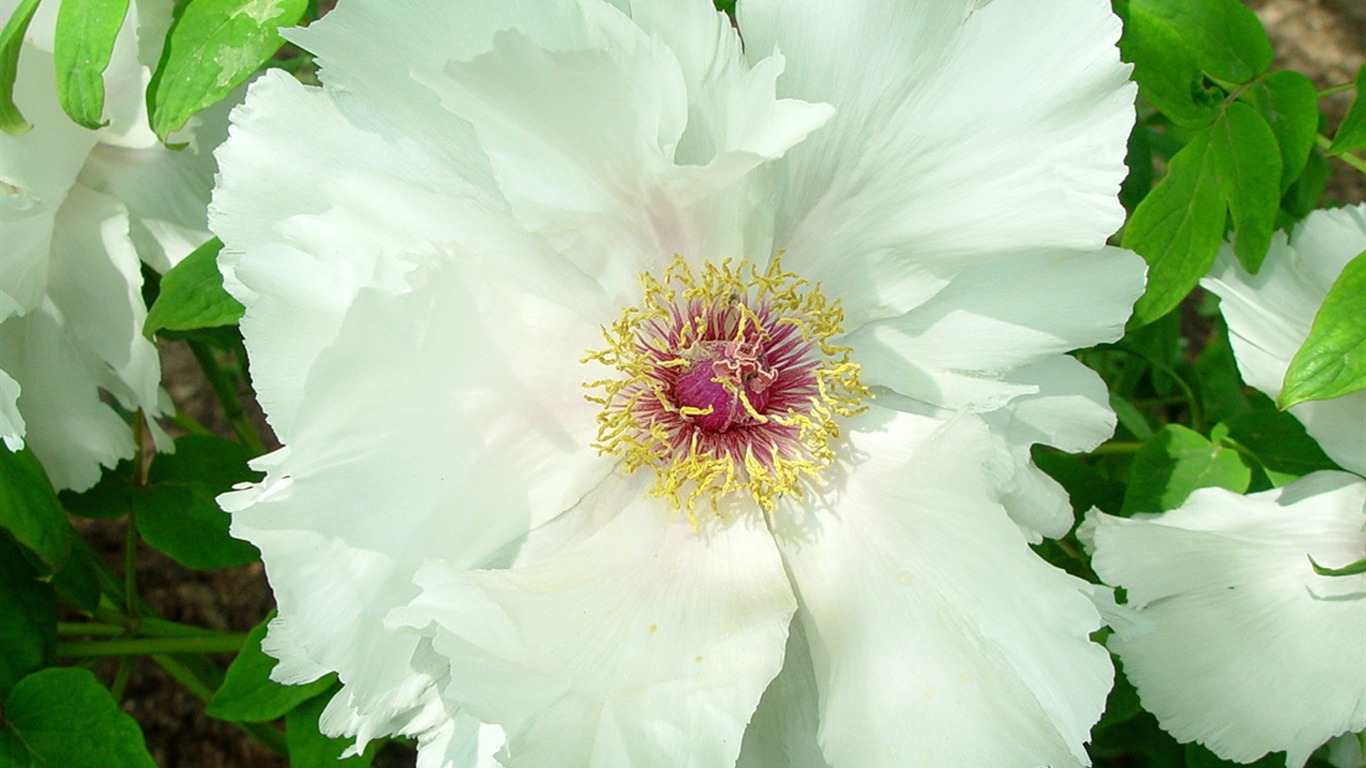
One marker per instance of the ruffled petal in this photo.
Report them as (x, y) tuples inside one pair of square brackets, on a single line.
[(923, 603), (961, 134), (1269, 315), (36, 171), (1069, 411), (85, 337), (315, 200), (648, 642), (1015, 313), (1252, 652), (433, 426), (166, 191)]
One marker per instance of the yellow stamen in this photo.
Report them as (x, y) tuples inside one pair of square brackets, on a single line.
[(686, 472)]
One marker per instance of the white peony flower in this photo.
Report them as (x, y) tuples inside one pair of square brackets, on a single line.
[(1269, 315), (663, 400), (1253, 652), (81, 211)]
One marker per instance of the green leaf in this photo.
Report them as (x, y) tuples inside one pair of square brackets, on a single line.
[(1130, 417), (214, 46), (1278, 442), (78, 582), (29, 509), (1138, 158), (1177, 461), (1289, 104), (1332, 360), (1177, 229), (112, 497), (184, 522), (248, 695), (1172, 42), (64, 717), (177, 514), (1221, 386), (1351, 569), (1303, 196), (28, 630), (1247, 163), (1352, 132), (11, 43), (192, 295), (309, 748), (84, 40)]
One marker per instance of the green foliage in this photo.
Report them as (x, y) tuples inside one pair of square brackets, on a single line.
[(1289, 104), (192, 295), (1177, 461), (1247, 167), (1175, 43), (1352, 132), (1332, 361), (248, 695), (1277, 442), (11, 43), (213, 47), (1177, 229), (84, 41), (29, 510), (64, 717), (176, 512), (29, 608)]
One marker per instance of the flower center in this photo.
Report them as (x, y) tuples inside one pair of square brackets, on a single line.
[(725, 382)]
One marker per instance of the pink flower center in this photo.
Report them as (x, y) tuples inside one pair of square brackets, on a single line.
[(727, 382)]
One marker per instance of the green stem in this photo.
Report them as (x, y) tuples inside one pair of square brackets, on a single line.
[(1332, 89), (187, 423), (270, 738), (121, 676), (143, 646), (1349, 158), (1116, 448), (151, 626), (227, 396)]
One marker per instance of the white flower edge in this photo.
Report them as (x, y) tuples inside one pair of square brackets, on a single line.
[(81, 211), (1251, 651), (1269, 315)]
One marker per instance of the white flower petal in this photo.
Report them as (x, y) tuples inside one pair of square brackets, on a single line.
[(1015, 313), (86, 336), (314, 202), (923, 603), (36, 171), (430, 409), (11, 421), (1253, 652), (783, 729), (1071, 412), (164, 190), (1269, 315), (960, 134), (646, 643)]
